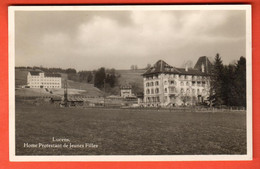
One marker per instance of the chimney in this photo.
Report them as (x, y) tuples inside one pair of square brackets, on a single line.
[(202, 68), (186, 68)]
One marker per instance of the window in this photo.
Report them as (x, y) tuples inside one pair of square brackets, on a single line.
[(148, 99), (172, 82), (157, 90), (165, 90), (203, 83), (147, 84), (152, 91), (172, 89), (151, 83), (157, 83), (147, 91)]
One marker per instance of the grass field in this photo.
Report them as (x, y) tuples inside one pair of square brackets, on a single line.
[(129, 132)]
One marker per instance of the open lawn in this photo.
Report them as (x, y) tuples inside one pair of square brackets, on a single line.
[(128, 131)]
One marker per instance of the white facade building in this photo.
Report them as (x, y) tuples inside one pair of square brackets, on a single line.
[(126, 91), (39, 79), (165, 85)]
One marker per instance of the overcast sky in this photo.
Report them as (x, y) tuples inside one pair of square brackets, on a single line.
[(118, 39)]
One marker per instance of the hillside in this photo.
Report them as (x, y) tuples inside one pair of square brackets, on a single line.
[(131, 77), (127, 77), (82, 88), (20, 77)]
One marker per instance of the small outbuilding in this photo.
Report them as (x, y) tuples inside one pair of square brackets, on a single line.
[(126, 91)]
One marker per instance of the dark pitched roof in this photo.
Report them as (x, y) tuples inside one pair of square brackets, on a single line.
[(56, 99), (206, 62), (52, 75), (126, 87), (190, 71), (75, 99), (35, 73), (161, 67)]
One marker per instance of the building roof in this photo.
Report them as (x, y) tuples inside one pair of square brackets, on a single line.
[(126, 87), (56, 98), (35, 73), (190, 71), (204, 60), (52, 75), (75, 99), (162, 67)]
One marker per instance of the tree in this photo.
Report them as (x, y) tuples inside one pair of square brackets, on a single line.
[(240, 81), (99, 78), (228, 83), (70, 70), (111, 80), (217, 82), (103, 77), (90, 77), (229, 88)]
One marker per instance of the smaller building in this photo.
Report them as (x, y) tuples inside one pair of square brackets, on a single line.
[(75, 101), (126, 91), (39, 79), (56, 100)]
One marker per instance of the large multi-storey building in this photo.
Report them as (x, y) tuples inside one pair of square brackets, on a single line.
[(165, 85), (39, 79)]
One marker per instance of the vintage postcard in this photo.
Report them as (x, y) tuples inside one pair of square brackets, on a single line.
[(130, 83)]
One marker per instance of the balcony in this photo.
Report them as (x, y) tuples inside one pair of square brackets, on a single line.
[(173, 91), (172, 83)]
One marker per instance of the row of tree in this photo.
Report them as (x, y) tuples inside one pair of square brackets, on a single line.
[(228, 83), (48, 70), (105, 78)]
